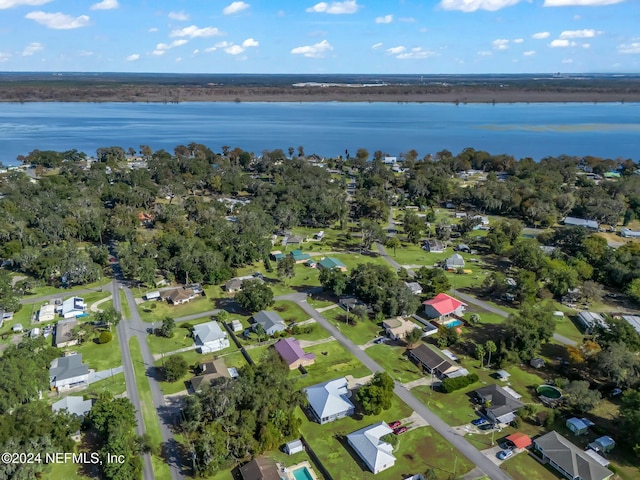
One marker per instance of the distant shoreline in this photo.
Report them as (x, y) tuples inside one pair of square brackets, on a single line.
[(248, 94)]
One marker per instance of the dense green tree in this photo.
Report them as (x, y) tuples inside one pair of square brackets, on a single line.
[(376, 395), (432, 280), (580, 397), (630, 418), (528, 329), (175, 367), (255, 296), (619, 363), (286, 267), (168, 327), (413, 337), (334, 281)]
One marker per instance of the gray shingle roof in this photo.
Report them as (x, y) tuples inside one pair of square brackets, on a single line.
[(68, 367), (269, 319), (329, 398)]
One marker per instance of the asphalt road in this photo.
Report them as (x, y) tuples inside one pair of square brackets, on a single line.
[(464, 447), (64, 293)]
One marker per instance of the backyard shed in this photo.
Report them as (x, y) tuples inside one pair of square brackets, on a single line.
[(577, 426), (293, 447)]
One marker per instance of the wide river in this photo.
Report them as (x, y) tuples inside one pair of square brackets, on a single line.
[(328, 129)]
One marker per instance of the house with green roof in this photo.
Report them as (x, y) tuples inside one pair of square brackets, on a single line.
[(299, 256), (331, 263)]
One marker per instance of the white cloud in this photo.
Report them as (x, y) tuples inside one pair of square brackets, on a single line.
[(235, 7), (133, 57), (540, 35), (4, 56), (500, 44), (250, 42), (528, 53), (180, 16), (567, 60), (586, 45), (561, 43), (385, 19), (158, 53), (375, 46), (234, 50), (396, 50), (178, 59), (416, 52), (193, 31), (4, 4), (473, 5), (518, 40), (628, 48), (58, 21), (407, 19), (105, 5), (161, 48), (579, 3), (196, 51), (335, 8), (424, 29), (152, 30), (85, 53), (586, 33), (485, 53), (32, 48), (317, 50)]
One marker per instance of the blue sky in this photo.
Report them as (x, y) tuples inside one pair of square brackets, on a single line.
[(306, 36)]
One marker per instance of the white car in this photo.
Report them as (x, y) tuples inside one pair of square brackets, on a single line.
[(504, 454)]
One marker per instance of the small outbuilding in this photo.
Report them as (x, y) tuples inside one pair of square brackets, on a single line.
[(577, 426), (293, 447), (603, 444), (503, 375), (536, 362), (519, 440)]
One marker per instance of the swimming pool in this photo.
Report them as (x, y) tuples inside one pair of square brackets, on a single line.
[(302, 474), (455, 323)]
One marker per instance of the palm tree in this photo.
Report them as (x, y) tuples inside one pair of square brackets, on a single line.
[(480, 352), (490, 347), (260, 332)]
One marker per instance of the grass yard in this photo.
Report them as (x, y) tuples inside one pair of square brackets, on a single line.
[(395, 362), (316, 333), (100, 356), (124, 304), (523, 467), (234, 359), (114, 385), (360, 333), (181, 337), (290, 312), (332, 361), (149, 415), (411, 254), (417, 450), (66, 292), (317, 302), (486, 317), (453, 408), (163, 309)]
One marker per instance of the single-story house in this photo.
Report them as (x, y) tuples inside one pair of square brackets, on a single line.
[(577, 426), (270, 321), (329, 401), (292, 353), (503, 375), (47, 313), (207, 372), (236, 326), (569, 460), (319, 235), (397, 328), (261, 468), (443, 307), (500, 405), (179, 296), (390, 160), (628, 233), (603, 444), (63, 336), (537, 363), (433, 360), (293, 447), (331, 263), (235, 284), (463, 247), (276, 255), (591, 320), (299, 256), (17, 328), (34, 333), (349, 302), (415, 287), (209, 337), (294, 240), (68, 372), (454, 262), (73, 307), (376, 453), (484, 220), (519, 440), (581, 222), (311, 263), (74, 405), (633, 320), (434, 246), (153, 295)]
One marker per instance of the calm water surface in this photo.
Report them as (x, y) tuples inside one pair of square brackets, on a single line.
[(522, 130)]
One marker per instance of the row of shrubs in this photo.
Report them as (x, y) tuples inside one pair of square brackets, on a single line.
[(452, 384)]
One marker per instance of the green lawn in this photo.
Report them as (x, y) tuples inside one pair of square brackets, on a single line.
[(395, 362), (523, 467), (64, 292), (417, 451), (100, 357), (115, 385), (124, 304), (486, 317), (332, 361), (360, 333), (181, 337), (290, 312), (316, 333), (410, 254), (163, 309), (317, 302), (454, 408), (149, 415)]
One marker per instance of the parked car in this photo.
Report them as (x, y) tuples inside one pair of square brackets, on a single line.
[(399, 430), (504, 454), (394, 424), (486, 426), (379, 340), (479, 421)]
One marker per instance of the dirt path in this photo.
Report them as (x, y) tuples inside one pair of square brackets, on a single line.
[(94, 306)]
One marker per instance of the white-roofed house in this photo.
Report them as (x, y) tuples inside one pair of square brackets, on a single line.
[(47, 313), (73, 307), (329, 401), (376, 453), (209, 337), (74, 405), (68, 372)]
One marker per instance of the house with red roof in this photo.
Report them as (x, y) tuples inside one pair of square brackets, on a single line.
[(292, 353), (442, 308)]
